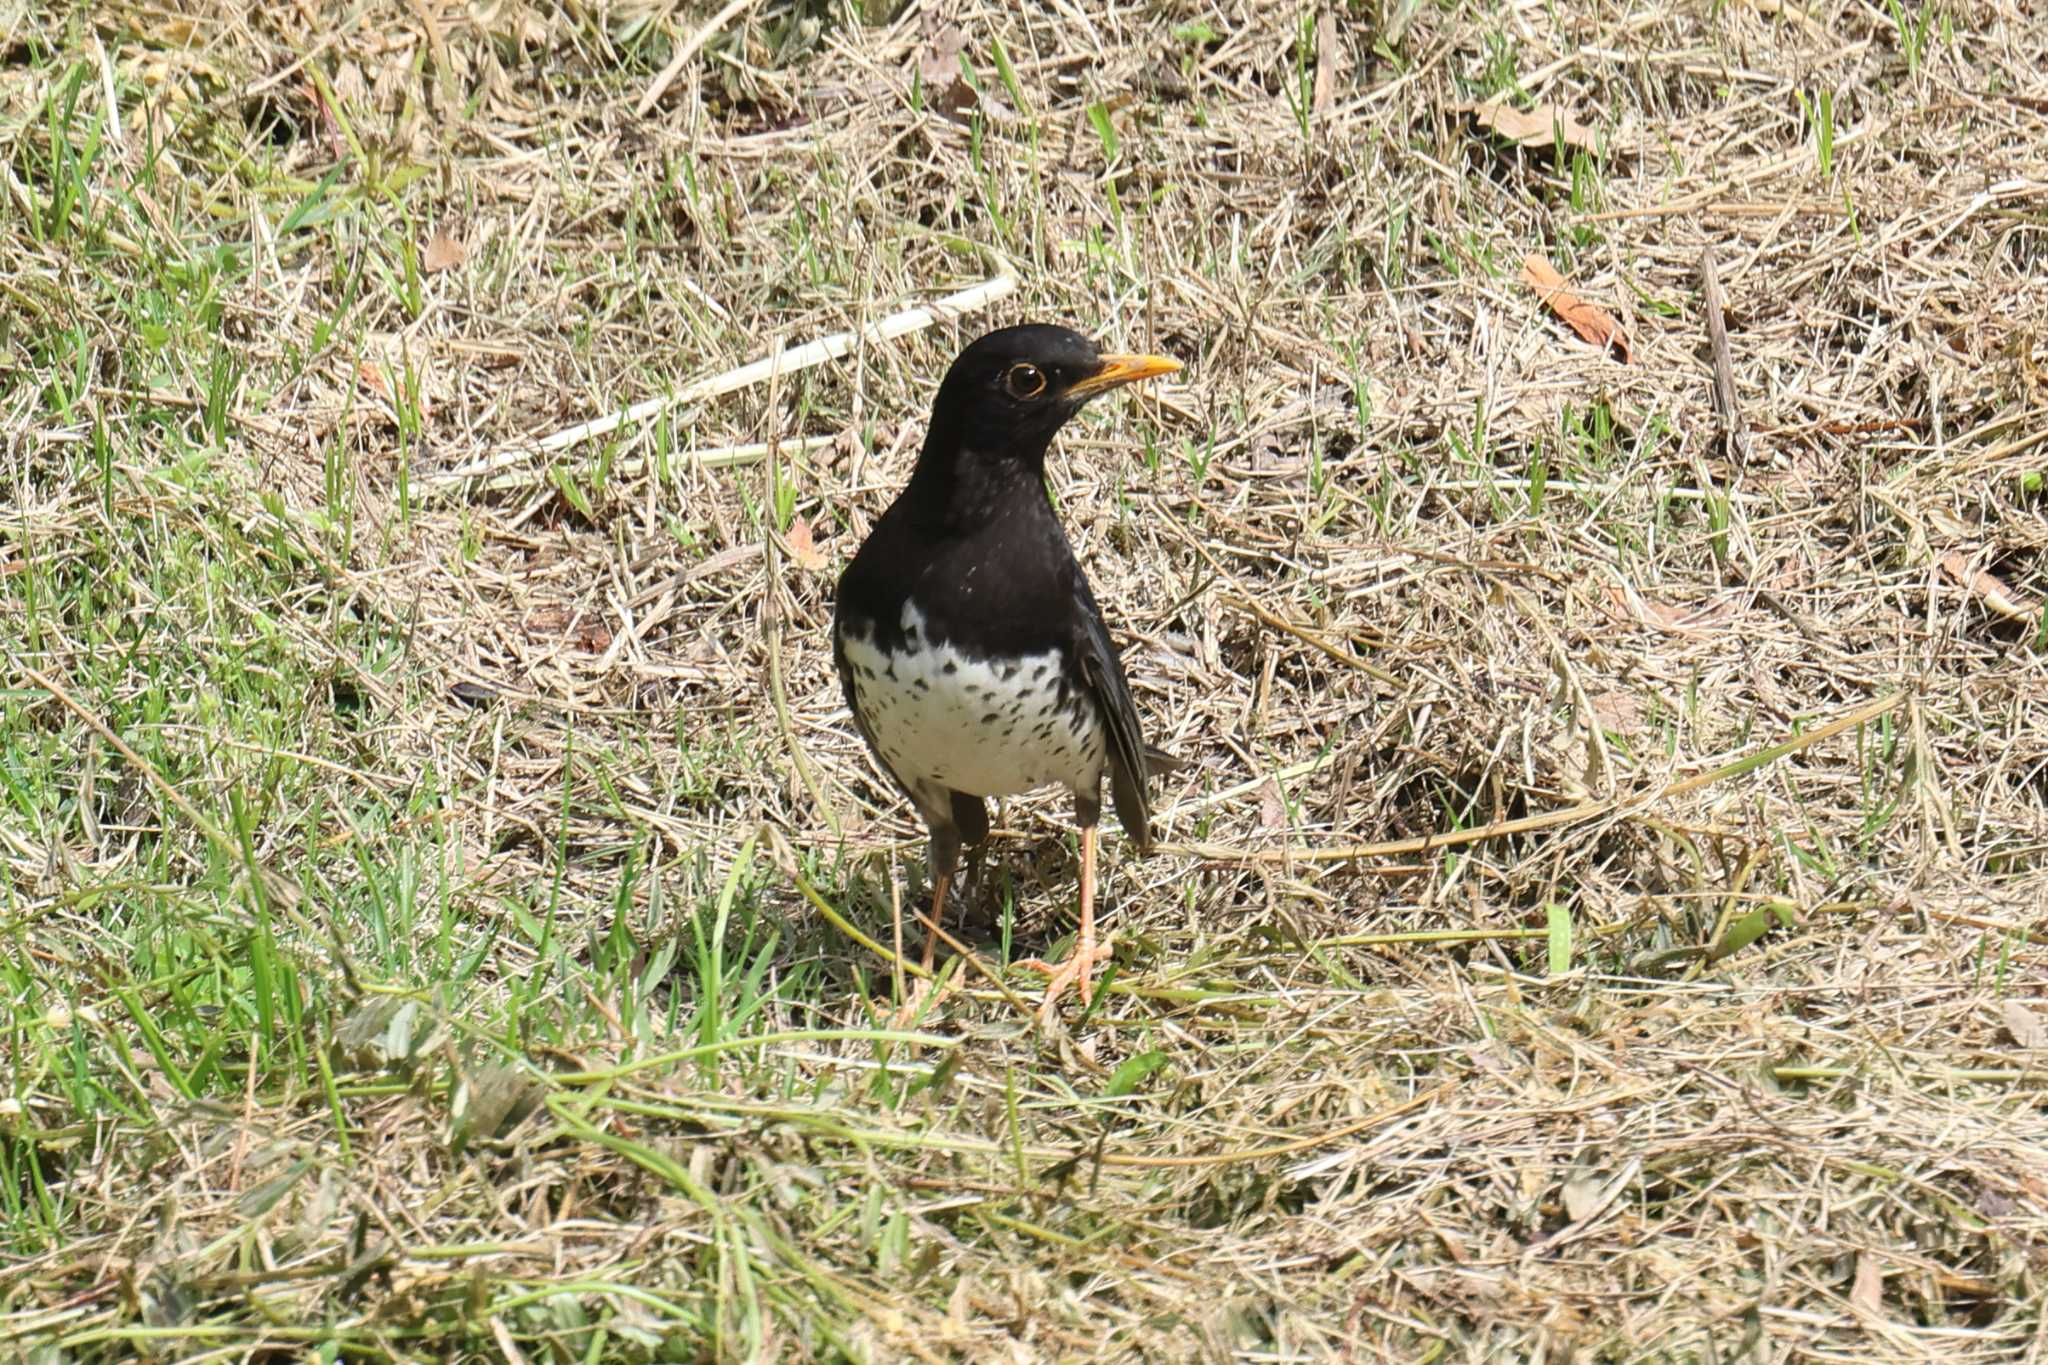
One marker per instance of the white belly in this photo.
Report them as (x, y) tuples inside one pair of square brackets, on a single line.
[(946, 720)]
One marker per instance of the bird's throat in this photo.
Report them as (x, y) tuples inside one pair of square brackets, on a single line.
[(970, 489)]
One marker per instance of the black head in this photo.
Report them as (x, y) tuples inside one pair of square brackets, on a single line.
[(1011, 390)]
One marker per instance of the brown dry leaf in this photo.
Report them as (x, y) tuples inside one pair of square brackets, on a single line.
[(513, 21), (1272, 806), (1326, 62), (1591, 322), (1538, 127), (803, 547), (1868, 1292), (1662, 615), (1584, 1194), (393, 87), (544, 621), (938, 68), (1618, 711), (585, 630), (2025, 1026), (398, 371), (442, 252), (555, 621), (1989, 588)]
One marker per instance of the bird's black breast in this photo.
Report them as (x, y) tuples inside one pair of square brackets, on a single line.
[(1001, 589), (961, 658)]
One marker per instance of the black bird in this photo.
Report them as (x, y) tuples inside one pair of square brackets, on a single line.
[(974, 658)]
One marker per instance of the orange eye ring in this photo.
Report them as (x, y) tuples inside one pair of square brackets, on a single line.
[(1025, 380)]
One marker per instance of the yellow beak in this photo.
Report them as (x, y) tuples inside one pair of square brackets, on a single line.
[(1118, 370)]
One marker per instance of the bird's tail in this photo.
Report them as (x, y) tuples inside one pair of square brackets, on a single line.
[(1158, 762)]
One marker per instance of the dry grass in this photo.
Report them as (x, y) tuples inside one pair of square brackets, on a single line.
[(1603, 915)]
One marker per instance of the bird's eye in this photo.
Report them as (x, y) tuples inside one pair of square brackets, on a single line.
[(1025, 381)]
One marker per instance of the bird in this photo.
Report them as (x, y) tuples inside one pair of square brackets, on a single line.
[(969, 645)]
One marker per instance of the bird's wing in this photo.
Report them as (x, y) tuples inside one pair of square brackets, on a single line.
[(860, 722), (1129, 756), (970, 817)]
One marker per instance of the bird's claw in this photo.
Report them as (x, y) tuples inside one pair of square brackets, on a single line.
[(1078, 971)]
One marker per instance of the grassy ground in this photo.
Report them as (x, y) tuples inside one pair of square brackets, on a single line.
[(1602, 917)]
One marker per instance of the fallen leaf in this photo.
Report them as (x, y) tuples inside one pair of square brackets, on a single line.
[(938, 68), (1590, 322), (1618, 711), (729, 558), (1584, 1193), (488, 1102), (513, 22), (1868, 1292), (553, 621), (1989, 588), (1326, 62), (1272, 806), (472, 694), (442, 253), (546, 620), (1538, 127), (803, 548), (1662, 615), (351, 87), (2025, 1026), (400, 372), (592, 634)]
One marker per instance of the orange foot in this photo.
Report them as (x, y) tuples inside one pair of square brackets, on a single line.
[(1077, 971), (1079, 968)]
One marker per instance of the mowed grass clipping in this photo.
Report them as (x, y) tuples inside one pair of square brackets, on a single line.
[(447, 912)]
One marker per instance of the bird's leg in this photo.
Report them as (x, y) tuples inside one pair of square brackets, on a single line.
[(945, 861), (1085, 955), (1079, 968), (931, 937), (977, 855)]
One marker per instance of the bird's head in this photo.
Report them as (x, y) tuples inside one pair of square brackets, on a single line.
[(1011, 390)]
